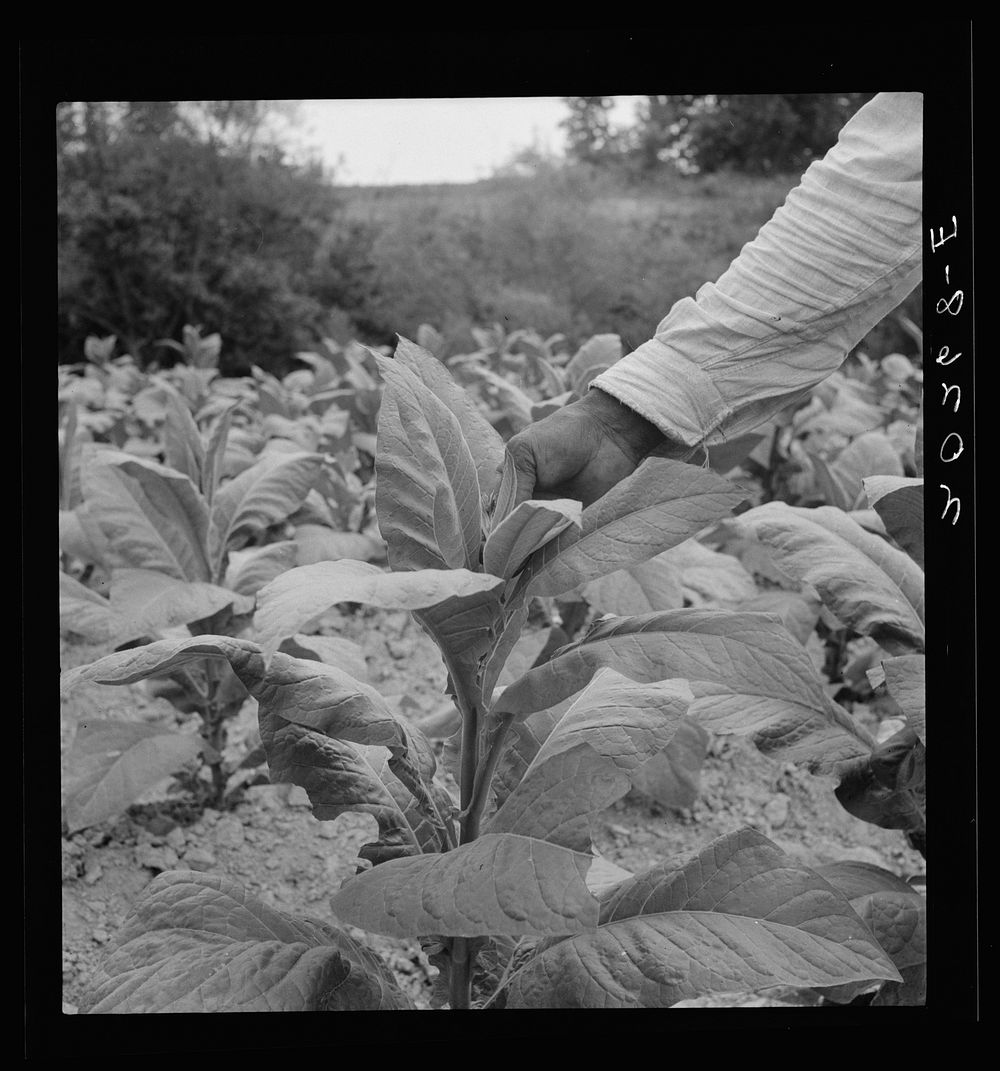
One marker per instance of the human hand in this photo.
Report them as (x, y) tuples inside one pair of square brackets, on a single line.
[(582, 450)]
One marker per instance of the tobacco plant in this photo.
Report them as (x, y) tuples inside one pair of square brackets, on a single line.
[(501, 881), (167, 539)]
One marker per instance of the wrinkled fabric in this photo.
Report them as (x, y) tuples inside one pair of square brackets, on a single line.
[(840, 254)]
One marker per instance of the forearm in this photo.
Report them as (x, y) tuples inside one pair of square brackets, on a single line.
[(841, 253)]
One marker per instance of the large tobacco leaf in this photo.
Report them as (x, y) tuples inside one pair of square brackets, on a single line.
[(339, 776), (162, 657), (897, 916), (260, 496), (737, 916), (899, 501), (485, 444), (152, 517), (200, 943), (748, 675), (112, 763), (868, 585), (291, 600), (663, 503), (309, 694), (587, 760), (427, 493), (146, 603), (501, 883)]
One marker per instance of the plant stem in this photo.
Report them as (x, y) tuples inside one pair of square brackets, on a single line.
[(484, 777), (469, 700), (461, 975)]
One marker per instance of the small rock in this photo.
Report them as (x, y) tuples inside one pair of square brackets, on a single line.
[(398, 648), (69, 1009), (93, 873), (156, 858), (327, 830), (272, 862), (229, 832), (160, 826), (298, 797), (175, 839), (210, 817), (776, 811), (199, 858), (197, 830), (101, 936), (619, 831)]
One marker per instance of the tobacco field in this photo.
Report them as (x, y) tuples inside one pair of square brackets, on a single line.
[(347, 727)]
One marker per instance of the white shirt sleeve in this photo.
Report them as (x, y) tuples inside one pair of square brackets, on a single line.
[(841, 252)]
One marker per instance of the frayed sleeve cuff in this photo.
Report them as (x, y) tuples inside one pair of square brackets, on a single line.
[(668, 390)]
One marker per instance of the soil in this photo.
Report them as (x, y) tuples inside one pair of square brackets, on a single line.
[(269, 841)]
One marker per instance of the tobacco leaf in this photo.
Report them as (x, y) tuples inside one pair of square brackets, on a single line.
[(339, 776), (274, 487), (897, 916), (748, 674), (152, 517), (904, 681), (870, 586), (85, 613), (888, 788), (333, 650), (146, 603), (587, 760), (899, 501), (485, 444), (112, 763), (737, 916), (663, 503), (798, 611), (640, 589), (427, 487), (869, 454), (673, 777), (183, 449), (200, 943), (298, 595), (523, 531), (499, 884)]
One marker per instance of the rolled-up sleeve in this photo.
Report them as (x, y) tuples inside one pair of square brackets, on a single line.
[(841, 252)]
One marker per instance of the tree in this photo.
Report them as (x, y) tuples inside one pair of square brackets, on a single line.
[(174, 213), (757, 133), (590, 138)]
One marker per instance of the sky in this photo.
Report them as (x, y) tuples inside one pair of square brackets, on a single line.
[(414, 140)]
